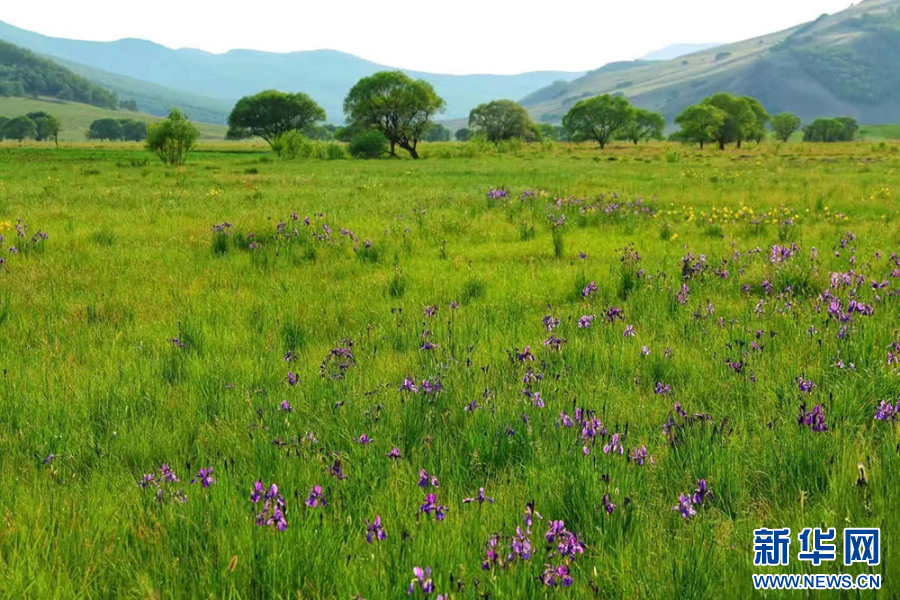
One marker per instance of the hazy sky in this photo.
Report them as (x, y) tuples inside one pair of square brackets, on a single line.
[(461, 36)]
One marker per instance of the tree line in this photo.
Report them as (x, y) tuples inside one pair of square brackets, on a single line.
[(40, 126), (109, 129)]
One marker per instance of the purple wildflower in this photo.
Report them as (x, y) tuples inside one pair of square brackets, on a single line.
[(204, 476), (375, 530), (316, 498), (480, 498)]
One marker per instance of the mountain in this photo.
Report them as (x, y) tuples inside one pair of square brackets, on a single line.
[(842, 64), (22, 73), (326, 75), (676, 51)]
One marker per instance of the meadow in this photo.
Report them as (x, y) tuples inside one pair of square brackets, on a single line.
[(585, 335)]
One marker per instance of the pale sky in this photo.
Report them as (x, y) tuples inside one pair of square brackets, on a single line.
[(461, 36)]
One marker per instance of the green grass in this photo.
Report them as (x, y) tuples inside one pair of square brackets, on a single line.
[(77, 118), (877, 133), (90, 376)]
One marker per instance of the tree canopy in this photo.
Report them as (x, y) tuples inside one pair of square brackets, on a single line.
[(599, 118), (839, 129), (784, 125), (739, 118), (501, 120), (700, 123), (396, 105), (20, 128), (172, 138), (270, 114), (646, 125)]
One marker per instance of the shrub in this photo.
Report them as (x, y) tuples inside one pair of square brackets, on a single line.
[(291, 144), (172, 138), (371, 144)]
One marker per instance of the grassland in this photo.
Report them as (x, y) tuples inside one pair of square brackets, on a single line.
[(135, 336), (77, 118)]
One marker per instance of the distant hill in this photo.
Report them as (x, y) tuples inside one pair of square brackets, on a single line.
[(326, 75), (842, 64), (76, 118), (155, 99), (22, 73), (676, 51)]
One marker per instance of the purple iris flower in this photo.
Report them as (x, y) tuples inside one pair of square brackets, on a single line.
[(286, 406), (629, 331), (364, 439), (422, 579), (409, 385), (431, 506), (520, 547), (885, 412), (166, 474), (425, 480), (204, 476), (614, 445), (525, 355), (316, 497), (394, 454), (589, 290), (375, 530), (701, 492), (553, 575), (535, 398), (585, 321), (662, 388), (640, 456), (805, 385), (479, 498), (684, 505), (292, 379)]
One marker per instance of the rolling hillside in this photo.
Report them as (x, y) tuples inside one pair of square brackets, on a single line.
[(77, 118), (326, 75), (843, 64)]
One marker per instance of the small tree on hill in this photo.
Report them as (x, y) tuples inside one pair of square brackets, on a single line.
[(699, 123), (784, 125), (501, 120), (20, 128), (646, 125), (172, 138), (396, 105), (599, 118), (270, 114)]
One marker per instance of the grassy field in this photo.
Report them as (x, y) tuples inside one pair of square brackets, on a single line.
[(77, 118), (350, 324)]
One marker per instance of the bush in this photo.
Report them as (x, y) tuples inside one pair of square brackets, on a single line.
[(172, 138), (291, 144), (371, 144)]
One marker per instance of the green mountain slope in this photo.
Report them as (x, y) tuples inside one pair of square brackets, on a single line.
[(842, 64), (326, 75), (22, 73), (76, 118)]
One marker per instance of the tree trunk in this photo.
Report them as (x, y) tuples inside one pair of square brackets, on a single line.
[(739, 144), (701, 144), (721, 145), (393, 152)]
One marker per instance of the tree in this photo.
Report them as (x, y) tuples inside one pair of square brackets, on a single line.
[(756, 131), (105, 129), (699, 123), (20, 128), (646, 125), (129, 105), (271, 113), (599, 118), (784, 125), (47, 127), (501, 120), (3, 122), (133, 130), (172, 138), (437, 133), (462, 135), (739, 118), (841, 129), (394, 104), (368, 144)]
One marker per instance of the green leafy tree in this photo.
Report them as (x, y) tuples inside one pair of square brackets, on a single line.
[(699, 124), (756, 132), (48, 128), (3, 122), (271, 113), (396, 105), (599, 118), (20, 128), (841, 129), (784, 125), (739, 118), (646, 125), (549, 132), (129, 105), (133, 130), (462, 135), (105, 129), (172, 138), (501, 120)]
